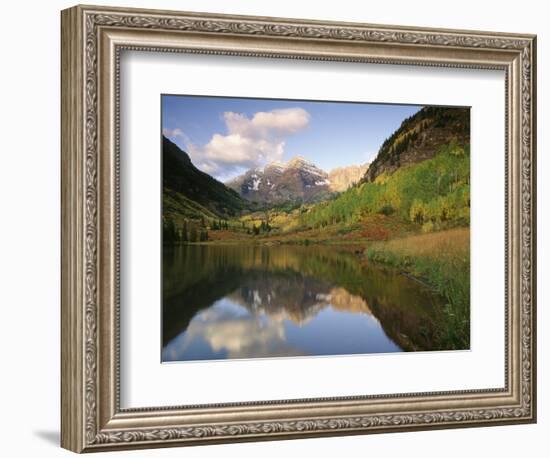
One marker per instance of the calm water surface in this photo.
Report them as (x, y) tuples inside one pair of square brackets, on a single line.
[(223, 302)]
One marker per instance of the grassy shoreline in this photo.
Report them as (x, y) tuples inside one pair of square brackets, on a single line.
[(442, 260)]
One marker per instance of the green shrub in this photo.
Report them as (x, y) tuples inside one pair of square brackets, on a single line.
[(386, 210)]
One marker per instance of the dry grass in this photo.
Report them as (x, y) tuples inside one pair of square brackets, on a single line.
[(442, 259), (453, 243)]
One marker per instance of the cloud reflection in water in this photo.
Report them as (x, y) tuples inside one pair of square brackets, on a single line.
[(254, 322)]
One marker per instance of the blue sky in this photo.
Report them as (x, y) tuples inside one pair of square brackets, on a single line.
[(226, 136)]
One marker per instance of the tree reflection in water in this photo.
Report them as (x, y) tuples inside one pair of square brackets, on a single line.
[(254, 301)]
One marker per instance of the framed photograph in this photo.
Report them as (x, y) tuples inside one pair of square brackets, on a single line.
[(278, 228)]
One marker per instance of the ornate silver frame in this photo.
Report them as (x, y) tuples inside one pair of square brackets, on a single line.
[(92, 39)]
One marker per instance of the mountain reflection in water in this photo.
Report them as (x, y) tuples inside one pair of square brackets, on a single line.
[(223, 302)]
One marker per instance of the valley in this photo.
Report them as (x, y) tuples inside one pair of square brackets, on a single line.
[(407, 211)]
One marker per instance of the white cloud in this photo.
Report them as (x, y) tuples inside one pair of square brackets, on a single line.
[(249, 142)]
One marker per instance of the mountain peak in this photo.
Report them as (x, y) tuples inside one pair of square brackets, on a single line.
[(297, 180), (275, 165), (341, 178), (298, 161)]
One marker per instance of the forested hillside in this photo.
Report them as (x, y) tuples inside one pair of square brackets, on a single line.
[(434, 193), (420, 137), (191, 193)]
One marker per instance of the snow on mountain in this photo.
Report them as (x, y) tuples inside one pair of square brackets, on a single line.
[(297, 180)]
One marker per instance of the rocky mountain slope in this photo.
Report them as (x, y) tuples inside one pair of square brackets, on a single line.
[(342, 178), (420, 137), (297, 181)]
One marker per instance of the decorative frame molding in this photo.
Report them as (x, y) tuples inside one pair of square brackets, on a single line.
[(92, 39)]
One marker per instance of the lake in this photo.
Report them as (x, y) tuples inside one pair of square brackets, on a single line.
[(254, 301)]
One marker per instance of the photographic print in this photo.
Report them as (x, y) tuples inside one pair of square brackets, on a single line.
[(326, 233), (310, 228)]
